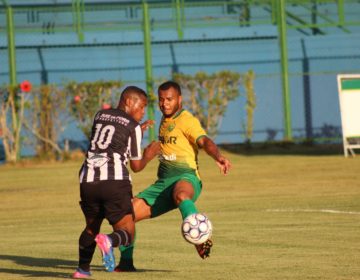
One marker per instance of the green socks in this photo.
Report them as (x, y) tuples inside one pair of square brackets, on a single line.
[(128, 251), (187, 207)]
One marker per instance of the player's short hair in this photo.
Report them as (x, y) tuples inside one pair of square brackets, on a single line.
[(170, 84), (133, 89), (131, 92)]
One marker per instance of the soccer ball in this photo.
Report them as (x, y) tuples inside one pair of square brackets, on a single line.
[(196, 228)]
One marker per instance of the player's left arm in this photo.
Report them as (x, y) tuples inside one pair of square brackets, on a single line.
[(212, 150)]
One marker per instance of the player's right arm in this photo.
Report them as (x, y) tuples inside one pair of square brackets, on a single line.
[(152, 150), (146, 125)]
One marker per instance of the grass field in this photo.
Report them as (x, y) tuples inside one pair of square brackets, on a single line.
[(274, 216)]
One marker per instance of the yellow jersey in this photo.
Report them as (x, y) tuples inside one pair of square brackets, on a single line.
[(179, 150)]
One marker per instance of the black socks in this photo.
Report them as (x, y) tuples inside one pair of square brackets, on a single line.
[(120, 237)]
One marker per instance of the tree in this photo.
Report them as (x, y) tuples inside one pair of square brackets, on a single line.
[(250, 104), (12, 107), (86, 98), (48, 117), (208, 95)]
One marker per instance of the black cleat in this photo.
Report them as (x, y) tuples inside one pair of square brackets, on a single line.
[(204, 249), (125, 266)]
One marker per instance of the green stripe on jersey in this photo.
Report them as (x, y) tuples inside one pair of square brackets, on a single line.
[(167, 169)]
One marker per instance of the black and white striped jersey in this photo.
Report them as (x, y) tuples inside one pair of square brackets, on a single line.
[(115, 138)]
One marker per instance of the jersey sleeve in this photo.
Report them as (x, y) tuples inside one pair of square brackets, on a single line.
[(193, 129), (135, 143)]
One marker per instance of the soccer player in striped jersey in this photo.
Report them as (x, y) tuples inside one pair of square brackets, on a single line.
[(179, 184), (105, 182)]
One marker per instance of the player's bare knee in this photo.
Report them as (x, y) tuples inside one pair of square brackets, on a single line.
[(181, 196), (141, 209)]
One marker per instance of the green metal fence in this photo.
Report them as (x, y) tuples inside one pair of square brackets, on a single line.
[(306, 17)]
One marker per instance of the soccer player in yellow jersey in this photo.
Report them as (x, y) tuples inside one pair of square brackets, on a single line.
[(179, 184)]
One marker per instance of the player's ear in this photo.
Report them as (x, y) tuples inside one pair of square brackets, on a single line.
[(129, 102), (128, 105)]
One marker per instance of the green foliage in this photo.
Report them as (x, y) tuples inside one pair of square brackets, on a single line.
[(48, 117), (46, 111), (86, 98), (208, 95)]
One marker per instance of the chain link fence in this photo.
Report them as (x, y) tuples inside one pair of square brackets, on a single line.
[(80, 41)]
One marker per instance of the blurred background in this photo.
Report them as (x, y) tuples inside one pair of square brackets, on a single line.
[(294, 49)]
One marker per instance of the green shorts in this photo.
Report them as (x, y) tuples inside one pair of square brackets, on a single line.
[(159, 195)]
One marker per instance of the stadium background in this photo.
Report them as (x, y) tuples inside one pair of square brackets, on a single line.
[(58, 41)]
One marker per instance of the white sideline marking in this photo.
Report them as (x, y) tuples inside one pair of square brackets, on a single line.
[(314, 211)]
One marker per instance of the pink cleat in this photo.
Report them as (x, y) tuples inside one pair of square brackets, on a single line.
[(81, 274), (105, 245)]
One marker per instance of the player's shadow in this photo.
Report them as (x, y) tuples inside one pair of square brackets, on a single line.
[(35, 273), (50, 263), (40, 263)]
